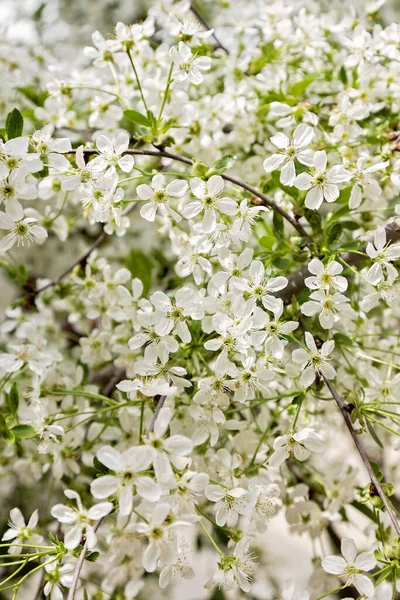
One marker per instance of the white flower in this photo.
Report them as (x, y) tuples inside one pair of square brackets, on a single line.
[(266, 504), (384, 290), (235, 570), (79, 518), (325, 277), (20, 231), (271, 331), (259, 288), (313, 361), (112, 150), (323, 183), (157, 529), (300, 444), (241, 229), (187, 65), (234, 265), (289, 151), (166, 450), (383, 254), (171, 315), (15, 188), (160, 196), (14, 157), (252, 378), (20, 532), (209, 202), (365, 183), (352, 567), (127, 479), (329, 307), (58, 577), (51, 149), (231, 502), (102, 53), (290, 592)]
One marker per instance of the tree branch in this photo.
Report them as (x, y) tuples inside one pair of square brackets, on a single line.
[(206, 26), (363, 454), (183, 159), (160, 404), (79, 564), (296, 281)]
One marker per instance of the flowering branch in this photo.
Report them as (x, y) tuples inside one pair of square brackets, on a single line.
[(79, 564), (363, 454), (205, 25), (297, 280), (160, 404)]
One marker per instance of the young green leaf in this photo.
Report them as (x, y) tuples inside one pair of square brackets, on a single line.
[(14, 124), (23, 431), (13, 399), (136, 117), (222, 164)]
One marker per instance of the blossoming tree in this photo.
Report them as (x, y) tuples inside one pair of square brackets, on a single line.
[(220, 346)]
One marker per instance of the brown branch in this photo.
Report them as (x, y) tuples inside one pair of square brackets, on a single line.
[(296, 281), (160, 404), (164, 154), (364, 457), (80, 261), (79, 564), (206, 26), (161, 153)]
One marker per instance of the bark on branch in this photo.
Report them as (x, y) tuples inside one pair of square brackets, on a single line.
[(364, 457)]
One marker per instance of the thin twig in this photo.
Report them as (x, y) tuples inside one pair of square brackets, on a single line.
[(80, 261), (364, 457), (79, 564), (160, 404), (265, 201), (183, 159), (206, 26)]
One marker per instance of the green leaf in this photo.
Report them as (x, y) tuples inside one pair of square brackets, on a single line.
[(221, 165), (314, 218), (374, 435), (140, 265), (99, 467), (92, 556), (5, 433), (23, 431), (333, 233), (200, 169), (351, 225), (298, 88), (279, 226), (352, 245), (267, 242), (13, 399), (377, 470), (14, 124), (37, 97), (136, 117)]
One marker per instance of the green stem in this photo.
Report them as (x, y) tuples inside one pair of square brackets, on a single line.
[(335, 591), (138, 81), (141, 424), (213, 542), (169, 81)]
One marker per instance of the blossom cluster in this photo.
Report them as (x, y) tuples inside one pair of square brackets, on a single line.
[(207, 315)]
